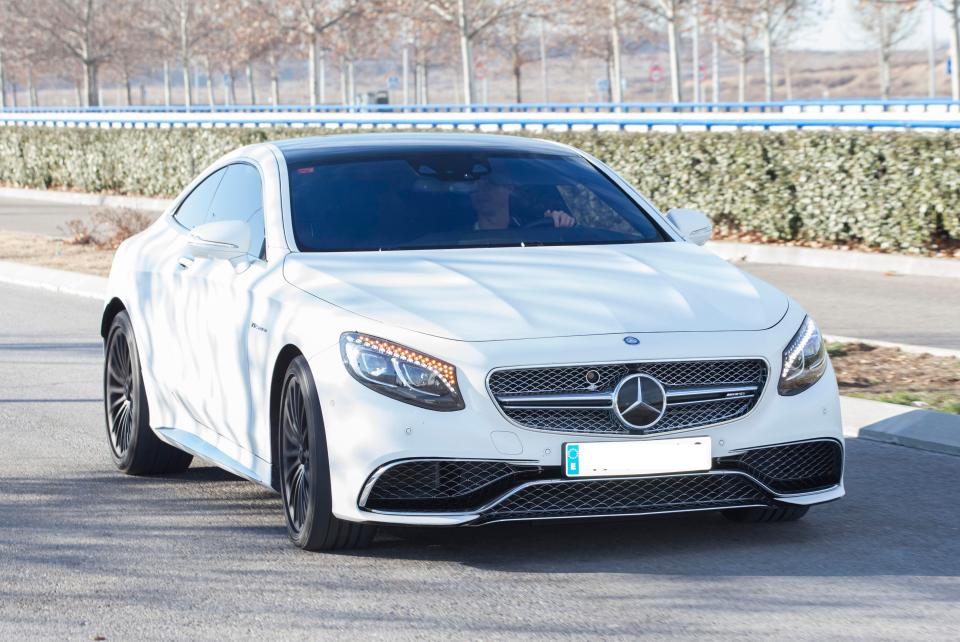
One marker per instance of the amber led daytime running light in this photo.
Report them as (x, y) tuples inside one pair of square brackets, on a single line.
[(443, 370)]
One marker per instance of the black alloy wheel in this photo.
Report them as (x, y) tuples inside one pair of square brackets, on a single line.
[(296, 455), (119, 393), (134, 447), (304, 469)]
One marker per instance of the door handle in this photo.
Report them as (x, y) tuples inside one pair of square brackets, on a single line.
[(185, 261)]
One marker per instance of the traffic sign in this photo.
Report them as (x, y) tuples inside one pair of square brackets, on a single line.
[(656, 73)]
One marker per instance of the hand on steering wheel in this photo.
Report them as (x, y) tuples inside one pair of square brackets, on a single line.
[(554, 218)]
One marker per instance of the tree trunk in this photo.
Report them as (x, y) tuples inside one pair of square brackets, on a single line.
[(274, 80), (3, 83), (426, 83), (543, 62), (90, 87), (31, 89), (343, 81), (405, 76), (323, 76), (206, 70), (126, 84), (185, 59), (251, 86), (954, 11), (615, 71), (931, 52), (466, 51), (312, 66), (767, 55), (351, 83), (517, 72), (715, 56), (742, 61), (166, 83), (673, 36), (230, 90), (697, 93)]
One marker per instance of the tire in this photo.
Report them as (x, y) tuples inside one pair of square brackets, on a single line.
[(771, 514), (134, 447), (305, 470)]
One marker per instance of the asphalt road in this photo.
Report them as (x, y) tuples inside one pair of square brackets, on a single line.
[(87, 552), (17, 215), (905, 309)]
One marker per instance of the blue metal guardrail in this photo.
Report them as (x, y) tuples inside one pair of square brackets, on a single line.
[(921, 104), (527, 121)]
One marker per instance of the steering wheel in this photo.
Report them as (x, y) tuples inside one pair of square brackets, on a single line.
[(546, 221)]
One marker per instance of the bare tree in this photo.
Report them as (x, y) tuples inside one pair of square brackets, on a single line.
[(85, 30), (888, 23), (514, 36), (182, 25), (311, 18), (469, 19), (778, 20), (670, 11), (952, 8)]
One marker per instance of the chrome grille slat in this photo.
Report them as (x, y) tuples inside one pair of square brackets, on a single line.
[(679, 378)]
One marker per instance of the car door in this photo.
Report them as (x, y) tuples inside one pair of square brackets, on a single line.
[(162, 298), (219, 313)]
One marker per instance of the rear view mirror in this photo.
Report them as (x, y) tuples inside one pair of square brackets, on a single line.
[(693, 225), (220, 240)]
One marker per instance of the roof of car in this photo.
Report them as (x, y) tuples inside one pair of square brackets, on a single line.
[(298, 149)]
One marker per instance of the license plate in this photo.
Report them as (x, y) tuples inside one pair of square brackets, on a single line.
[(624, 458)]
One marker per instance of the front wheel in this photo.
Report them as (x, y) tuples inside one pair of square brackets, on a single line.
[(135, 448), (305, 470)]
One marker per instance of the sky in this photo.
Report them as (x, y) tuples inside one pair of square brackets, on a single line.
[(838, 29)]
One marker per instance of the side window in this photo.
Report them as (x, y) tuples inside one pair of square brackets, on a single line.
[(240, 198), (194, 209)]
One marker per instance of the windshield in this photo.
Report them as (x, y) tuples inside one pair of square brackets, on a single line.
[(415, 199)]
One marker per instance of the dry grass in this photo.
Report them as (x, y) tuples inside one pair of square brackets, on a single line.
[(47, 251), (894, 376)]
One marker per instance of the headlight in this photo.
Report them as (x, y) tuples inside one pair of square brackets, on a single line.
[(401, 373), (804, 359)]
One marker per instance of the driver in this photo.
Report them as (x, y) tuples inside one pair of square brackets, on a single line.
[(491, 202)]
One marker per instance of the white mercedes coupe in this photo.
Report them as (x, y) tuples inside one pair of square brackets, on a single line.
[(447, 329)]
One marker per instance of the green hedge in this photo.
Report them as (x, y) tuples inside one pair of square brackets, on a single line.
[(896, 190)]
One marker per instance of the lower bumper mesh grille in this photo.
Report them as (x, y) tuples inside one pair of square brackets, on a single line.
[(792, 468), (623, 496), (505, 490)]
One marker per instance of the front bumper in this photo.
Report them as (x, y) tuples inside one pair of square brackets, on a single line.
[(481, 492), (367, 432)]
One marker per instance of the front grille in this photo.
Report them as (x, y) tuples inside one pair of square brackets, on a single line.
[(625, 496), (674, 375), (791, 468)]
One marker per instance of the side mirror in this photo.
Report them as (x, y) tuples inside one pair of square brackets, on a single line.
[(220, 240), (693, 225)]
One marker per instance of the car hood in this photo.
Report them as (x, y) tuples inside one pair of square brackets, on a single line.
[(489, 294)]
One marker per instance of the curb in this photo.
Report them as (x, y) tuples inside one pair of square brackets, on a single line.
[(82, 198), (63, 281), (901, 425), (836, 259)]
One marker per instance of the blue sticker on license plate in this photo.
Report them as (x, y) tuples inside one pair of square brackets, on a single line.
[(573, 459)]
